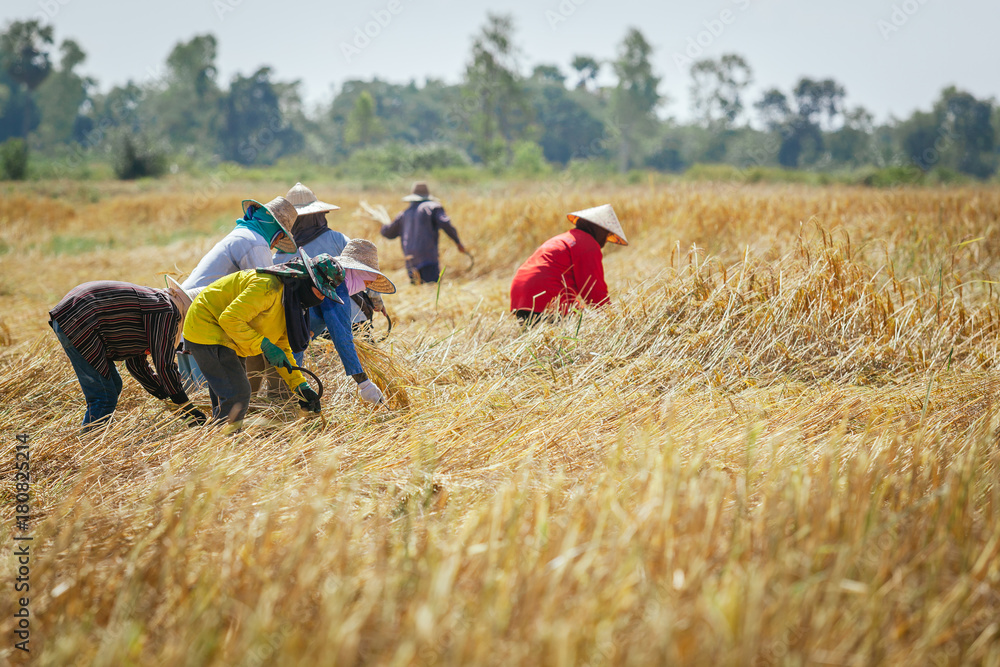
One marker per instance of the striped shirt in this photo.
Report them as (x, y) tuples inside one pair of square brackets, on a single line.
[(108, 321)]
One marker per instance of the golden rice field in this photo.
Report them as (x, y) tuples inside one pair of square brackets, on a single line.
[(777, 446)]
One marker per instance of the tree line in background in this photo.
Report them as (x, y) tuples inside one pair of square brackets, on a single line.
[(499, 117)]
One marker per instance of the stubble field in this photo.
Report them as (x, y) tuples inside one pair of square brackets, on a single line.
[(778, 444)]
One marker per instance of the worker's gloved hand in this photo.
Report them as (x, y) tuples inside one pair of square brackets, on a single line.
[(192, 415), (310, 399), (275, 355), (370, 393)]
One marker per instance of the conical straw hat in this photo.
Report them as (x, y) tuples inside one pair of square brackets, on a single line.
[(362, 255), (305, 202), (605, 218), (284, 214)]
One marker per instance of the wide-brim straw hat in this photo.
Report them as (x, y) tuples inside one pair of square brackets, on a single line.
[(362, 255), (305, 202), (605, 218), (186, 296), (323, 263), (420, 192), (284, 214)]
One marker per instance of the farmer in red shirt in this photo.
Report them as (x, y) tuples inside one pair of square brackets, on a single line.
[(569, 267)]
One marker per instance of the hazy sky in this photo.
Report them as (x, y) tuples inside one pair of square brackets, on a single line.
[(892, 55)]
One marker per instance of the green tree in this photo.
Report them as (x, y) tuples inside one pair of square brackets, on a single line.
[(967, 123), (717, 89), (816, 100), (917, 137), (24, 55), (62, 98), (363, 125), (568, 122), (187, 109), (412, 114), (548, 74), (800, 128), (254, 129), (635, 98), (587, 69), (852, 143), (493, 83)]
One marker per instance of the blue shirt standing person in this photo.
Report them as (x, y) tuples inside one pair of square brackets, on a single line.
[(248, 246), (312, 232), (418, 226)]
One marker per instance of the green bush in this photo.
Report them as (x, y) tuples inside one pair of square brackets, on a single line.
[(889, 177), (529, 159), (132, 157), (403, 159), (14, 160)]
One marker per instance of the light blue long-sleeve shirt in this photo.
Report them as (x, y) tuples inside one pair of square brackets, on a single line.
[(238, 250)]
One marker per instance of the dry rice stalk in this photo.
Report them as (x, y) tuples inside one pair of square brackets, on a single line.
[(388, 375), (5, 337), (377, 213)]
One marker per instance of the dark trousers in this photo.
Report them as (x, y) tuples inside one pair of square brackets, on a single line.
[(228, 386), (428, 273), (100, 392)]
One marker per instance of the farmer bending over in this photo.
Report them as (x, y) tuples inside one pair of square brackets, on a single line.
[(252, 312), (568, 267), (247, 246), (359, 258), (99, 323)]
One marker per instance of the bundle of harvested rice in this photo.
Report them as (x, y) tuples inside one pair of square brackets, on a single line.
[(388, 375)]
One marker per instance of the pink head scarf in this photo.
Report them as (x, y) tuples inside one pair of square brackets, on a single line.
[(355, 280)]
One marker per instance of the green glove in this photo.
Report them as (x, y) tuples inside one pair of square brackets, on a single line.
[(275, 355)]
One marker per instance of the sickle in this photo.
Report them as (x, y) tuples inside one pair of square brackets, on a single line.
[(308, 372)]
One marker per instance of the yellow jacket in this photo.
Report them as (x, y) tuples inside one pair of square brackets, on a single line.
[(239, 311)]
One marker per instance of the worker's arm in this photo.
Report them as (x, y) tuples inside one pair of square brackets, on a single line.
[(442, 221), (588, 271), (159, 386), (259, 295), (337, 317), (161, 330), (392, 230), (138, 367), (292, 379)]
